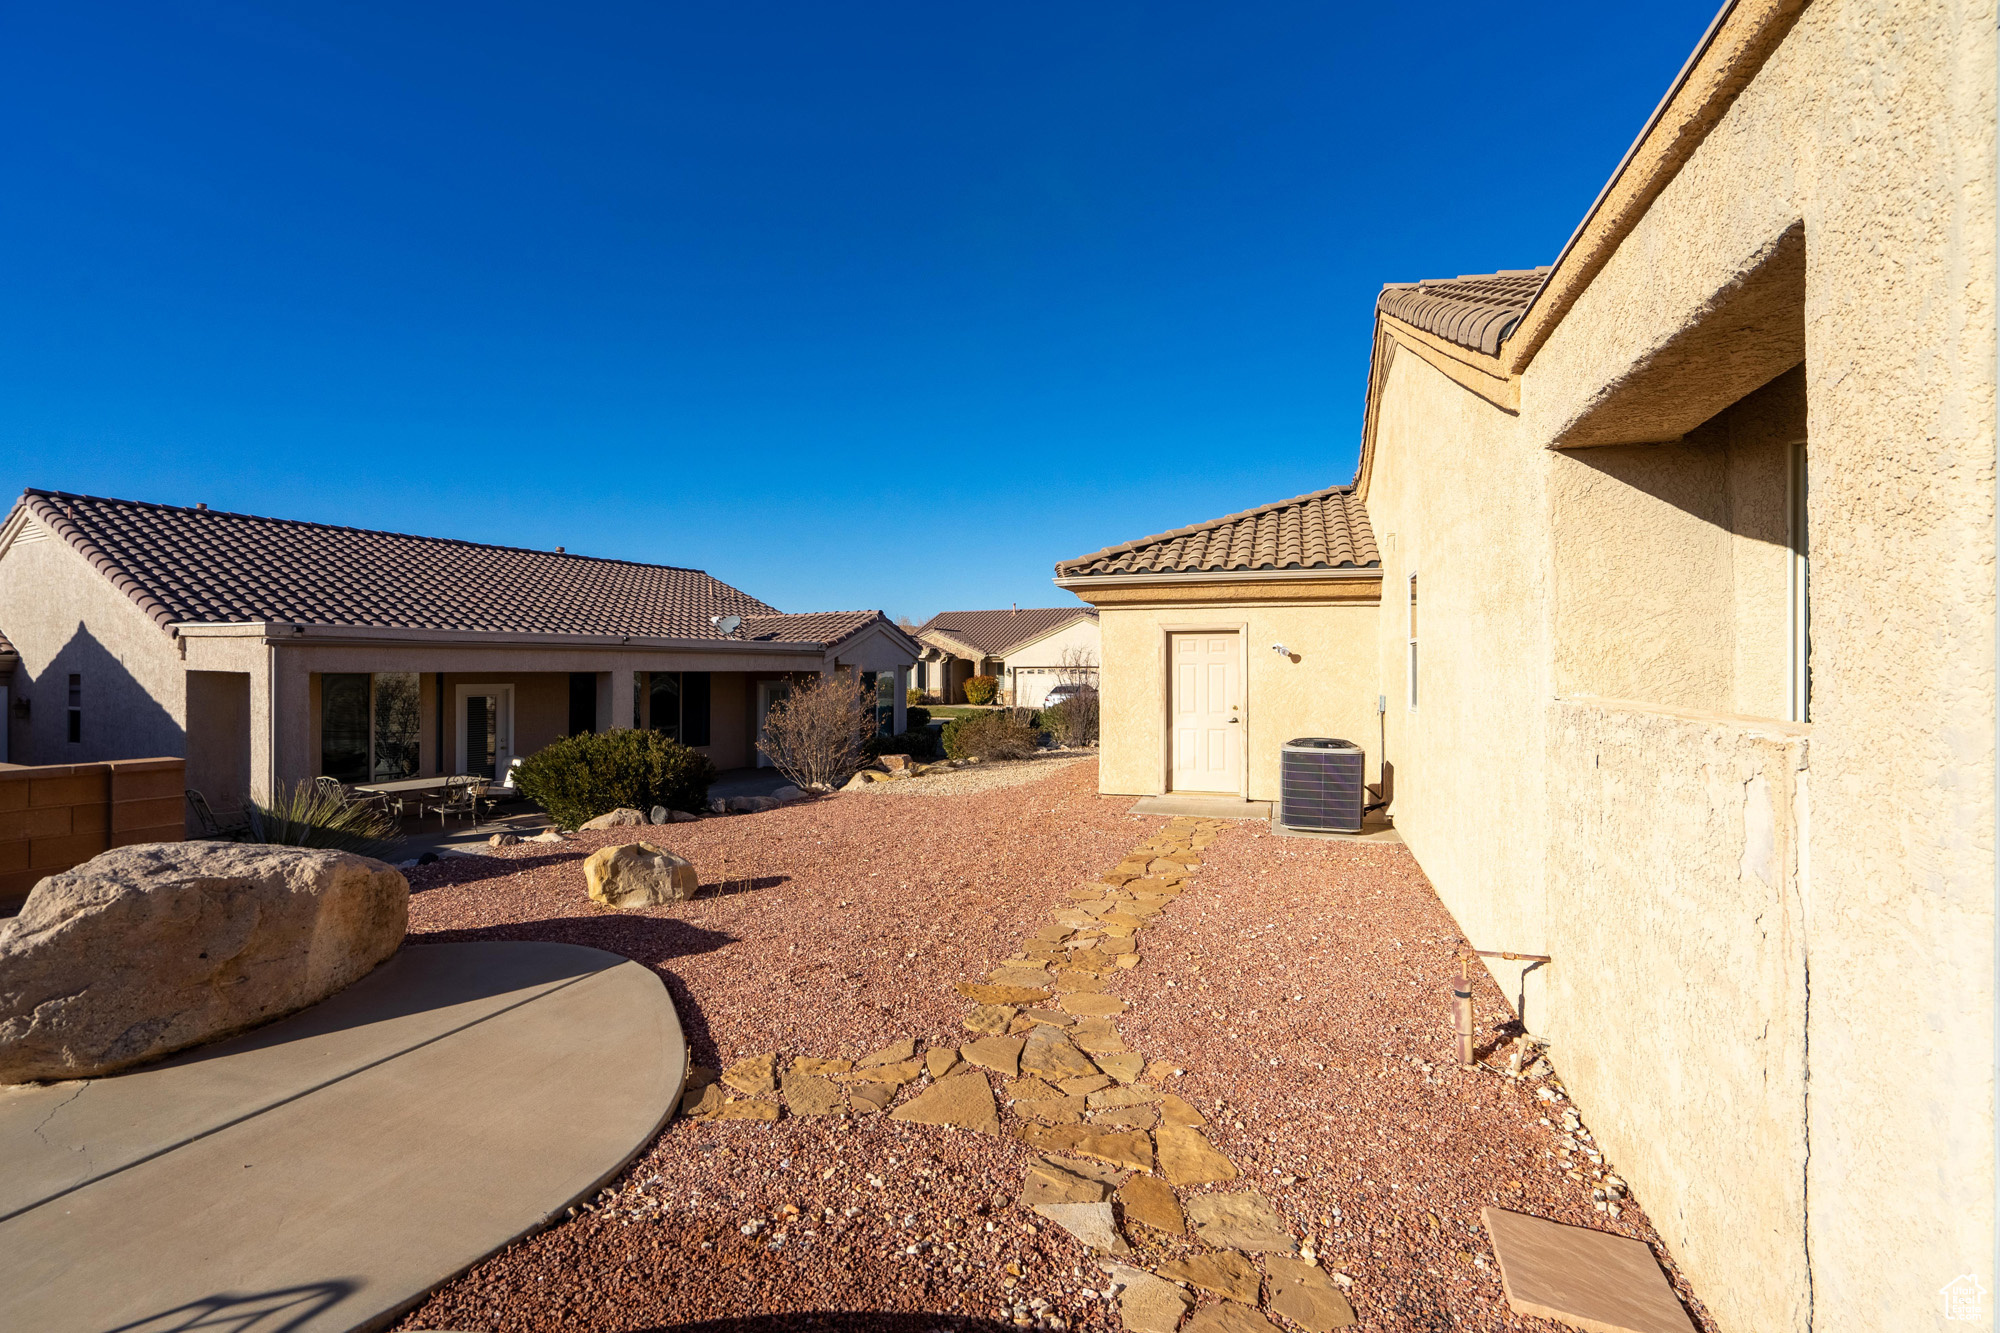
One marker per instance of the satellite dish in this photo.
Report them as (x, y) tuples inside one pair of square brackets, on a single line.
[(727, 624)]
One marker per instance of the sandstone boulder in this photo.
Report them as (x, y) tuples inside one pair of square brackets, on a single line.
[(150, 949), (894, 763), (638, 874), (787, 794), (619, 818)]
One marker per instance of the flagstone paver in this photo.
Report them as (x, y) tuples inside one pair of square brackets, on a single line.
[(1092, 1223), (1150, 1200), (963, 1101), (1245, 1221), (1304, 1294), (1224, 1272)]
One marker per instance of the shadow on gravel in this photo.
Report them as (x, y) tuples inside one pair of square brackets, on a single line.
[(643, 939), (452, 871), (884, 1321)]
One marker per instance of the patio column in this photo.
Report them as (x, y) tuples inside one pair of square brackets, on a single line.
[(616, 694)]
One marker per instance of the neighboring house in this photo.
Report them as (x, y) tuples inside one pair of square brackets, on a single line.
[(1029, 650), (1671, 569), (266, 650)]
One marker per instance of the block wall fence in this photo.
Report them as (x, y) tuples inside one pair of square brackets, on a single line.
[(56, 816)]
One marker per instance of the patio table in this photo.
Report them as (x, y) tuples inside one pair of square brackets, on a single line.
[(414, 786)]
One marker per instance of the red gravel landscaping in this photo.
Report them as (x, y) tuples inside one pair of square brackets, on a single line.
[(1293, 981)]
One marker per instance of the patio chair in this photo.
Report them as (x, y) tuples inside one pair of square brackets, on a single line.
[(211, 826), (461, 797), (333, 787)]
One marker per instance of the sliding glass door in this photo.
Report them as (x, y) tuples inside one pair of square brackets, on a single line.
[(369, 725)]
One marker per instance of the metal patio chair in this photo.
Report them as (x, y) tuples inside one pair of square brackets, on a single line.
[(461, 797), (211, 825)]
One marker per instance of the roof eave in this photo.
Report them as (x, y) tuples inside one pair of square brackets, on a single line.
[(1334, 573), (284, 631)]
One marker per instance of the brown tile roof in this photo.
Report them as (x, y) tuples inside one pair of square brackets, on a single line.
[(993, 633), (204, 565), (1476, 311), (1325, 530), (827, 627)]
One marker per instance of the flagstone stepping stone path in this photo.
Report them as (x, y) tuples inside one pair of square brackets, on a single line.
[(1115, 1145)]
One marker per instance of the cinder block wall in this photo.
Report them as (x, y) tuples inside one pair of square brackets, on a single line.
[(56, 816)]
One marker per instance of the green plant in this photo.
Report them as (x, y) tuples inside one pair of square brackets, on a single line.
[(307, 815), (913, 696), (581, 777), (916, 719), (991, 736), (981, 689)]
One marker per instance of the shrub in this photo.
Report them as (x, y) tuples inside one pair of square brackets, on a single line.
[(581, 777), (307, 815), (916, 743), (990, 736), (916, 719), (981, 689), (913, 696), (819, 733), (1072, 722)]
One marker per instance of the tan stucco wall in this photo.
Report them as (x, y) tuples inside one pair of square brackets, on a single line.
[(63, 617), (1871, 128), (1457, 500), (1326, 692)]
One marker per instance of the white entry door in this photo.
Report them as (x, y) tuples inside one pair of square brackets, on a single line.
[(768, 693), (485, 717), (1207, 709)]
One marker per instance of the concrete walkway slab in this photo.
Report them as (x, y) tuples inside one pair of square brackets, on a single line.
[(337, 1165), (1202, 807)]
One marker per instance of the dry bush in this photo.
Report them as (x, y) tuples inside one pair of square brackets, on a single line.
[(818, 734), (991, 736)]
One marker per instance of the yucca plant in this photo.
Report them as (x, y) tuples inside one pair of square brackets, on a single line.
[(307, 815)]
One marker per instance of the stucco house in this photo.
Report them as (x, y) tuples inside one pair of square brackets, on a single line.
[(267, 650), (1029, 650), (1663, 602)]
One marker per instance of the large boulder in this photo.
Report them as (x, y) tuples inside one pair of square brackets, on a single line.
[(622, 817), (638, 874), (150, 949)]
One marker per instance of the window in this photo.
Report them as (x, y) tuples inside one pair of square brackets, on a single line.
[(1799, 589), (1413, 641), (76, 710), (582, 702), (675, 702), (369, 725)]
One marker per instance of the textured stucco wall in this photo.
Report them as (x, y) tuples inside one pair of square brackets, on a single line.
[(1670, 562), (1329, 691), (1677, 1001), (63, 617), (1872, 129), (1455, 498)]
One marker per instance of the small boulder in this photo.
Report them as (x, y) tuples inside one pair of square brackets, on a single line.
[(546, 835), (894, 763), (683, 817), (859, 781), (208, 938), (787, 794), (638, 874), (619, 818), (661, 815), (503, 840), (752, 805)]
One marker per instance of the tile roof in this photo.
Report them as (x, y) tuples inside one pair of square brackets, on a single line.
[(6, 648), (827, 627), (1324, 530), (994, 632), (204, 565), (1475, 311)]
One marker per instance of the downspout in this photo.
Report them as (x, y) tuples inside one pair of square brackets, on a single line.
[(270, 720), (440, 722)]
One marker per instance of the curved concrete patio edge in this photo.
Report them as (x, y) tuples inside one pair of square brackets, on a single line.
[(339, 1165)]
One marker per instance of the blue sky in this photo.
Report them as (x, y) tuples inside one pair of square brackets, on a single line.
[(851, 305)]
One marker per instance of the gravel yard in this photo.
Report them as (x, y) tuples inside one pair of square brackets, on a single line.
[(1294, 982)]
